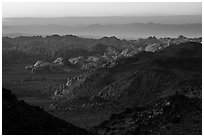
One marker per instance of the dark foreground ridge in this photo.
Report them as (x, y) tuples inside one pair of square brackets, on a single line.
[(173, 115), (21, 118)]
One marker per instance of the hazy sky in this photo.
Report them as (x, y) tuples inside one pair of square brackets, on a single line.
[(99, 9)]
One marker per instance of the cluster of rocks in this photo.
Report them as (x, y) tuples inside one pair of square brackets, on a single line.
[(64, 90), (108, 59), (57, 65)]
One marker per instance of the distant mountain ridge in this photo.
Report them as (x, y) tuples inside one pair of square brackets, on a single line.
[(70, 21), (130, 30)]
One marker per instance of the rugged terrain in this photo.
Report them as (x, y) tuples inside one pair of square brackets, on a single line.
[(144, 86)]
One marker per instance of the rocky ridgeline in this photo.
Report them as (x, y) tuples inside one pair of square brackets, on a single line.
[(109, 57)]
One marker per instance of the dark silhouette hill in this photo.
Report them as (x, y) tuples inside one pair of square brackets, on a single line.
[(19, 118)]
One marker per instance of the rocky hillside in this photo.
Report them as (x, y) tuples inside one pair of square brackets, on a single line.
[(135, 81), (19, 118)]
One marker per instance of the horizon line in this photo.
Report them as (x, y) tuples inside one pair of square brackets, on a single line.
[(106, 16)]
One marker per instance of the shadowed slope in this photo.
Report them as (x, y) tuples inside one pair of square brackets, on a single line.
[(21, 118)]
